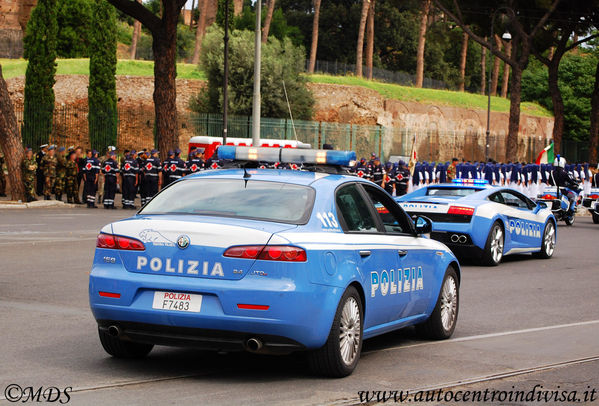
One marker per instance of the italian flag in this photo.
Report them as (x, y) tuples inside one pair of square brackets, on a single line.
[(546, 156), (413, 157)]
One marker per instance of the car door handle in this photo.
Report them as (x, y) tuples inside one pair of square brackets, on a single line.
[(365, 253), (402, 253)]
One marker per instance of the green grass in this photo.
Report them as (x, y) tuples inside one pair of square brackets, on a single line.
[(432, 96), (16, 67)]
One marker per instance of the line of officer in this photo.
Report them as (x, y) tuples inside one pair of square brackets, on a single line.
[(39, 187), (28, 170), (91, 171), (48, 164), (110, 169), (130, 170), (151, 170)]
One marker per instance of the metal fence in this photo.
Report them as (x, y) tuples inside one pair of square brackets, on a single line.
[(397, 77), (135, 129)]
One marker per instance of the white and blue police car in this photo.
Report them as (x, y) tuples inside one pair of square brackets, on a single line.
[(484, 222), (271, 261)]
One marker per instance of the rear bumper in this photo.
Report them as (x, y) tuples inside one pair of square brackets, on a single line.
[(299, 312), (215, 340), (463, 247)]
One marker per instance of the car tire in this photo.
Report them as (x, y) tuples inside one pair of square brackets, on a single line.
[(123, 349), (442, 321), (595, 218), (339, 356), (548, 242), (493, 252)]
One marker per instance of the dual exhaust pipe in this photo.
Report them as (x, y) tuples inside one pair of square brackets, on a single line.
[(458, 238), (251, 345)]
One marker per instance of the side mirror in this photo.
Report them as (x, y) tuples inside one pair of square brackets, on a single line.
[(542, 205), (423, 225)]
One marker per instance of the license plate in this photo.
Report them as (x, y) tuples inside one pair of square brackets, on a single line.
[(181, 302)]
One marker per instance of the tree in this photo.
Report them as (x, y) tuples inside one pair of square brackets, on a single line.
[(164, 48), (483, 70), (10, 142), (570, 19), (495, 71), (524, 24), (463, 58), (594, 118), (74, 18), (267, 20), (314, 45), (40, 50), (102, 83), (281, 62), (370, 39), (135, 37), (360, 44), (426, 6), (237, 7), (506, 70), (200, 31)]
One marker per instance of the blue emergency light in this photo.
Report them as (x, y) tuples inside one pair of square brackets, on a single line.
[(287, 155), (461, 181)]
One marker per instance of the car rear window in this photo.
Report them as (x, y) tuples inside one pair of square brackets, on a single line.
[(258, 200), (451, 191)]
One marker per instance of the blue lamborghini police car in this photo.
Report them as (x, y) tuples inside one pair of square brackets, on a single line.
[(480, 221), (271, 261)]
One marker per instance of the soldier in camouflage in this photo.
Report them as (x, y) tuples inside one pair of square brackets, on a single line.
[(71, 179), (61, 171), (28, 168), (48, 164)]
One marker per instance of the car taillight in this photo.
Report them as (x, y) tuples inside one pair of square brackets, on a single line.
[(548, 197), (284, 253), (463, 211), (118, 242)]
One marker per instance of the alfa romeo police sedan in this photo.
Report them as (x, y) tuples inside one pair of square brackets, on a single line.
[(271, 261), (484, 222)]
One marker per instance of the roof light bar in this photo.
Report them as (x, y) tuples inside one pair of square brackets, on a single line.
[(287, 155), (461, 181)]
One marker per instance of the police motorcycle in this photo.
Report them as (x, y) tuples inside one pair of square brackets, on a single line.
[(591, 203), (556, 197)]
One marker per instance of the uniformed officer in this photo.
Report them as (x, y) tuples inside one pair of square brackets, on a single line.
[(196, 161), (39, 187), (178, 170), (361, 168), (452, 171), (402, 179), (151, 176), (28, 169), (390, 178), (90, 179), (141, 160), (71, 178), (80, 159), (110, 169), (129, 169), (48, 164), (166, 168), (60, 173), (376, 173)]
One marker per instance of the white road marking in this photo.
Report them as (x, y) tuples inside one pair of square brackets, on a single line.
[(491, 335)]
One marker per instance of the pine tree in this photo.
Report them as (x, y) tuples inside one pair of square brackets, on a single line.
[(101, 92), (40, 50)]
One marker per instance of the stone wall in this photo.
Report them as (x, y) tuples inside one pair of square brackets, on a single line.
[(14, 15), (440, 132)]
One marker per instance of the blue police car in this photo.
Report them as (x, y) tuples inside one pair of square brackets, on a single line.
[(477, 220), (271, 261)]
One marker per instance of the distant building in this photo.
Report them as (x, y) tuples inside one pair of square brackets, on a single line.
[(14, 15)]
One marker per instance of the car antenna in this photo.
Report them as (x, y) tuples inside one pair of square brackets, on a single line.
[(246, 176)]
